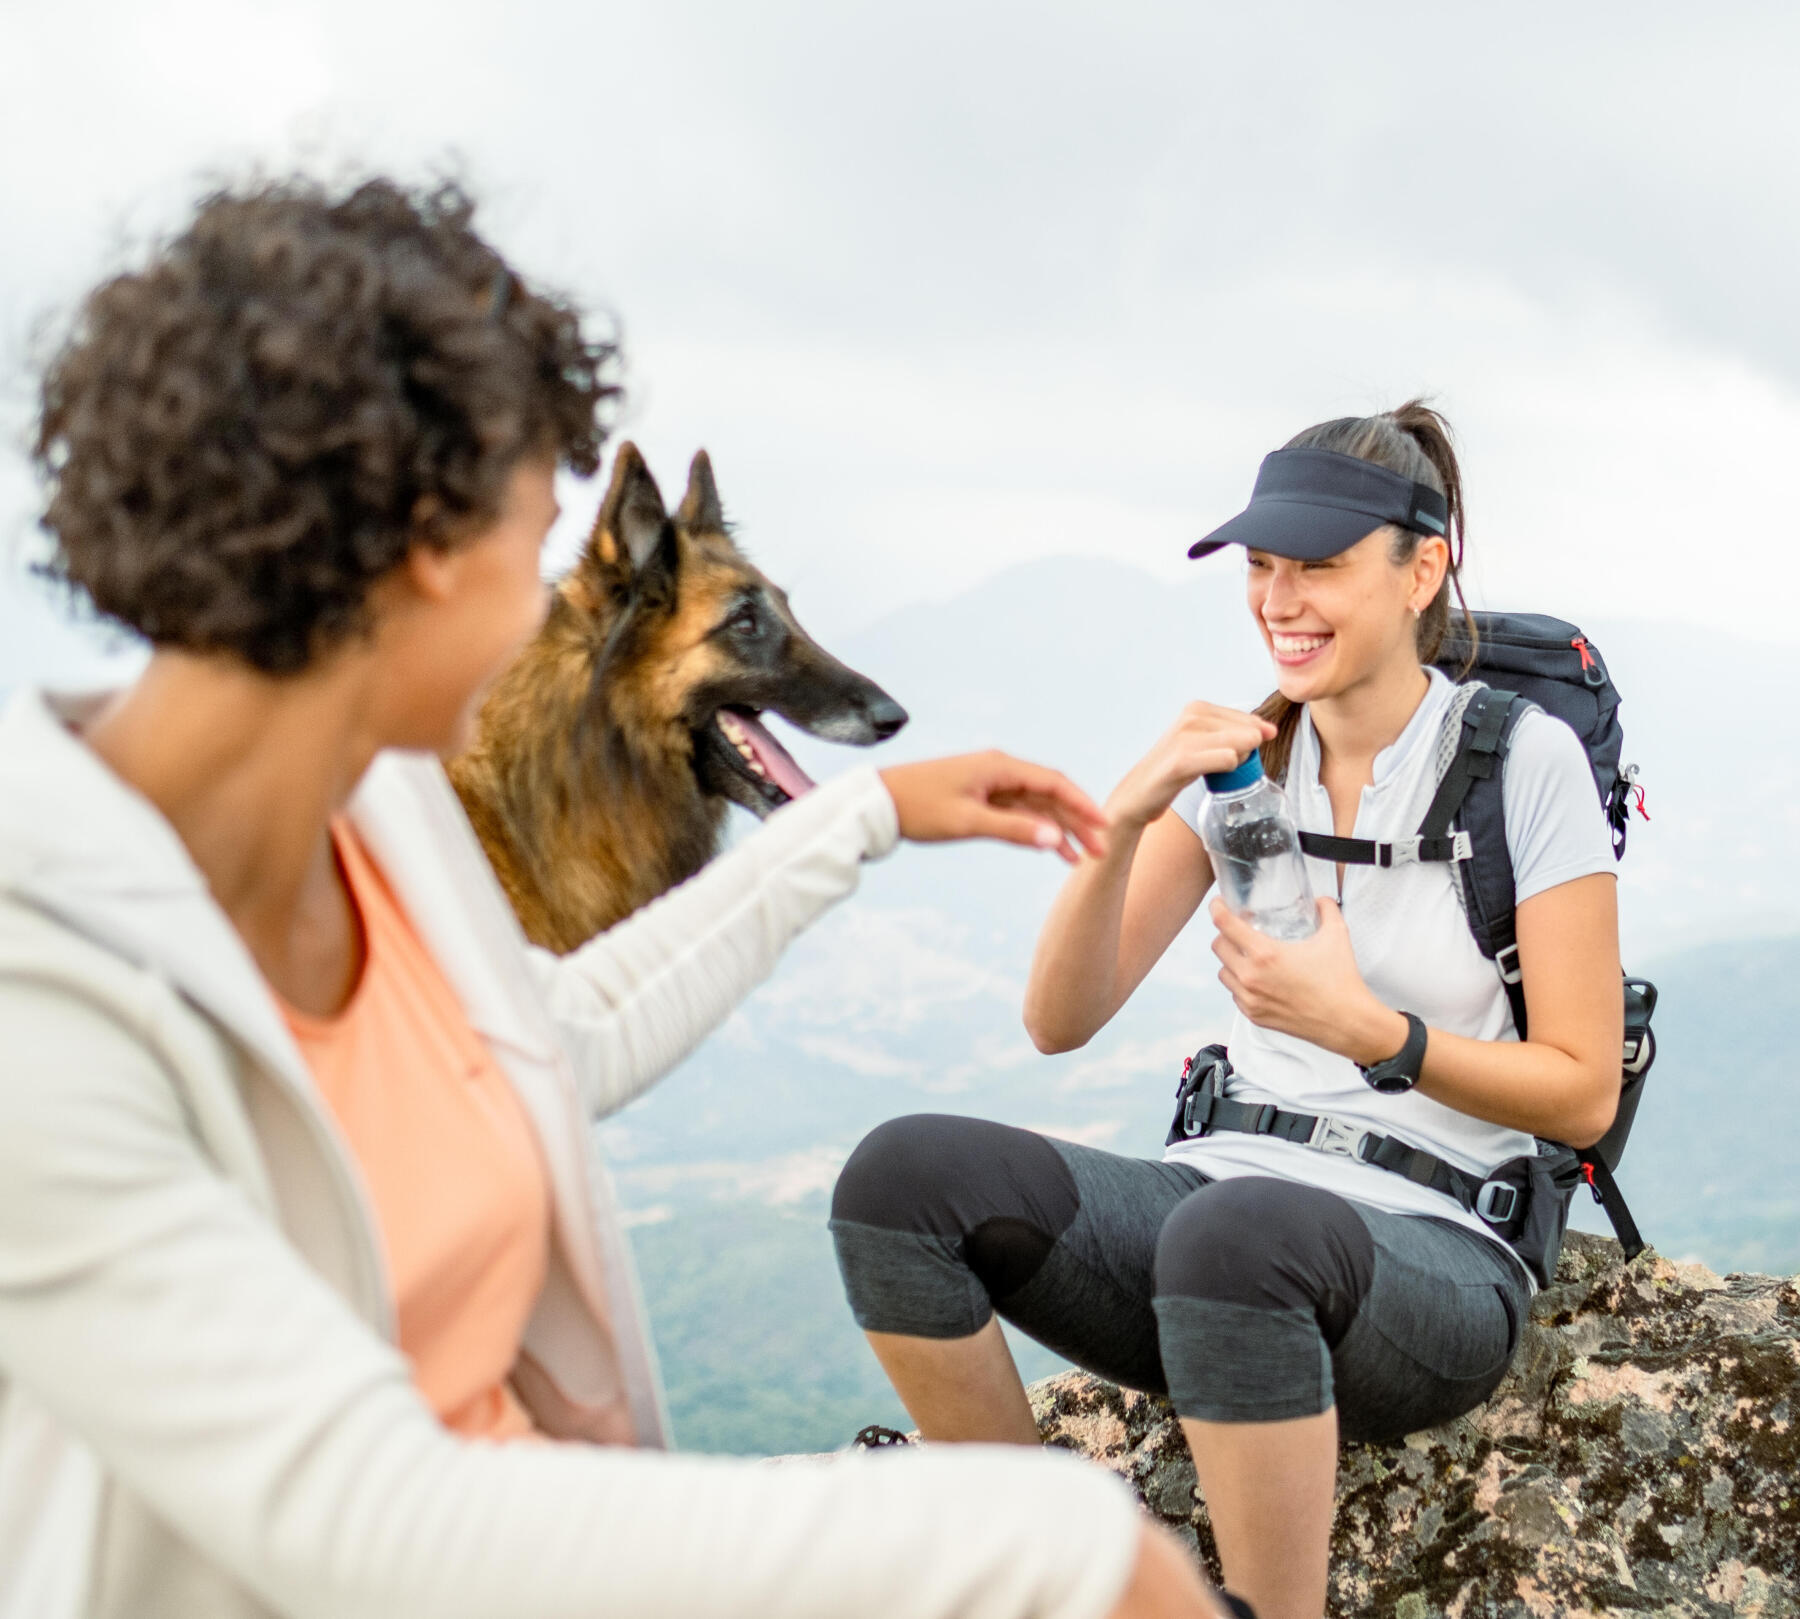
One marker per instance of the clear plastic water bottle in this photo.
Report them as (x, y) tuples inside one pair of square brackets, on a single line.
[(1256, 853)]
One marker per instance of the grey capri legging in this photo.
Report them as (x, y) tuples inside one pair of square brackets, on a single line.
[(1244, 1300)]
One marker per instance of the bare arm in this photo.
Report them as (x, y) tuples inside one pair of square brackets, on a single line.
[(1117, 914), (1562, 1083), (1111, 922)]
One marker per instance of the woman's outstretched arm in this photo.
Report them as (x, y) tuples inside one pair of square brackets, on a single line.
[(633, 1002), (1117, 914)]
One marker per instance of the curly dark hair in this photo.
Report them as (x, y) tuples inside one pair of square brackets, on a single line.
[(240, 436)]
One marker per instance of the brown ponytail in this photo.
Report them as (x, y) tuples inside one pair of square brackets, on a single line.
[(1413, 440)]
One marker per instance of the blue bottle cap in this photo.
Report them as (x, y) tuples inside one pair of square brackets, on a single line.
[(1248, 774)]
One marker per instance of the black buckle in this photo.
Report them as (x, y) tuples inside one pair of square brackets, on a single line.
[(1197, 1097), (1191, 1126), (1497, 1202)]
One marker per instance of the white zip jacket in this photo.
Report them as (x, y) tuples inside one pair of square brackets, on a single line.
[(202, 1411)]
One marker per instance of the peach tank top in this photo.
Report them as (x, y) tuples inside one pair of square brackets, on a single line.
[(448, 1156)]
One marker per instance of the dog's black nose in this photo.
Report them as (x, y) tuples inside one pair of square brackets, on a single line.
[(886, 716)]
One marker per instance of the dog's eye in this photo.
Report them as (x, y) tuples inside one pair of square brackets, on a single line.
[(746, 622)]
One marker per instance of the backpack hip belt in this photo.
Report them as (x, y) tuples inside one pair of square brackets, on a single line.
[(1509, 1199)]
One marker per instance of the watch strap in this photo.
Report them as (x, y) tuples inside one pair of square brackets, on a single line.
[(1400, 1072)]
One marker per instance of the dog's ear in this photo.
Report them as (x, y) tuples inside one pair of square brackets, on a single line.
[(655, 584), (700, 511), (632, 517)]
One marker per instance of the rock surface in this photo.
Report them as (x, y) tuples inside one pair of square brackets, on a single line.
[(1641, 1458)]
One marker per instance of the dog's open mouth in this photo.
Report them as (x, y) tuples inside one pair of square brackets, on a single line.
[(761, 770)]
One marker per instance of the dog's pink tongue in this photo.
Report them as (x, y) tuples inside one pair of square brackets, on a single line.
[(778, 764)]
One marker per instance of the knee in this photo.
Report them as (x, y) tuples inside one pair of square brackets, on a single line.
[(895, 1178), (1210, 1244), (1269, 1245), (1005, 1192)]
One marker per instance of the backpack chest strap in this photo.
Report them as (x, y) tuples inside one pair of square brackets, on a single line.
[(1401, 852), (1482, 740)]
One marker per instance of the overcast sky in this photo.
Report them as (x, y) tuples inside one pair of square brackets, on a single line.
[(947, 286)]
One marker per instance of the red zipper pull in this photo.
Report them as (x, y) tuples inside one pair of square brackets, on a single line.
[(1591, 672), (1630, 775)]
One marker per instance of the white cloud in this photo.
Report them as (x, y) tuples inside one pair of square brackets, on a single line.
[(859, 1056), (655, 1214), (1055, 290)]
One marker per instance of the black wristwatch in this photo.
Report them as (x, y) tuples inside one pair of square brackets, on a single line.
[(1401, 1071)]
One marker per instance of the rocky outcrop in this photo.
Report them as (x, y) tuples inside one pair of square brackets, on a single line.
[(1641, 1458)]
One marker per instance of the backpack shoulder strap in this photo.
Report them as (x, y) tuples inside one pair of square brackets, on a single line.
[(1471, 798)]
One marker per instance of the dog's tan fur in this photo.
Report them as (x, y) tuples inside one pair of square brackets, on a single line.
[(581, 781)]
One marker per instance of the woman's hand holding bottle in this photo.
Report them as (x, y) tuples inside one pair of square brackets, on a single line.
[(1311, 989), (1204, 739)]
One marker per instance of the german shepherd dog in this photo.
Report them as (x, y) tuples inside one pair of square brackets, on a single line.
[(605, 756)]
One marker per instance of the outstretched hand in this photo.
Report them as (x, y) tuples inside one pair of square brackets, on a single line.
[(993, 795)]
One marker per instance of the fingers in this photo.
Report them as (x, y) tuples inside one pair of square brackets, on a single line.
[(1063, 817), (1231, 726), (1080, 827), (1020, 778), (1217, 714), (1241, 935), (1028, 831)]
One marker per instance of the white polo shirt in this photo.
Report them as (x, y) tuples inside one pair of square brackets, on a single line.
[(1415, 951)]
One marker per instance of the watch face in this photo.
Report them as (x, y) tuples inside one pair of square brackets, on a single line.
[(1391, 1084)]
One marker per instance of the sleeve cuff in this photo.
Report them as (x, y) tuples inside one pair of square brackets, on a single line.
[(859, 796), (880, 815)]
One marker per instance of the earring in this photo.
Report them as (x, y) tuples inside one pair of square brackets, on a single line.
[(1417, 611)]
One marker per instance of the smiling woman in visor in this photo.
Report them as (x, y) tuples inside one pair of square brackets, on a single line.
[(1283, 1292)]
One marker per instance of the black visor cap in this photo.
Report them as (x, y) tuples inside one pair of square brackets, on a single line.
[(1312, 504)]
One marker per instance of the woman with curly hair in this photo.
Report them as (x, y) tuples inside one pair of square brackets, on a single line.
[(303, 1259)]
